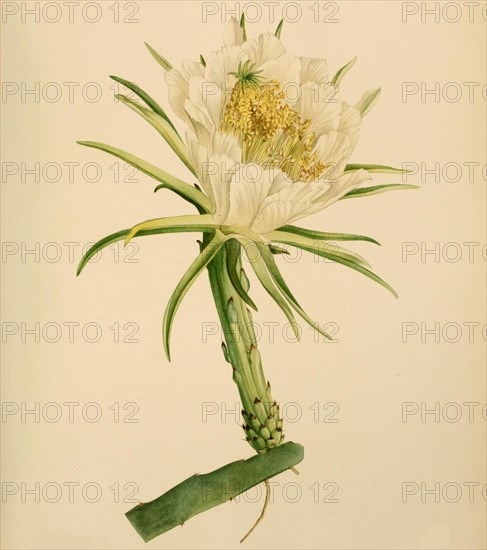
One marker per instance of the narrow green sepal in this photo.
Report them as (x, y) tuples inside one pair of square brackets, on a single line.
[(357, 267), (122, 235), (163, 62), (242, 26), (279, 28), (347, 258), (185, 283), (163, 128), (265, 279), (232, 261), (320, 235), (376, 189), (187, 223), (182, 188), (298, 239), (146, 98), (286, 292), (376, 169), (342, 72), (368, 100)]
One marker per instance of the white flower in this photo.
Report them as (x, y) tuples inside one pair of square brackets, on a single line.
[(269, 141), (267, 134)]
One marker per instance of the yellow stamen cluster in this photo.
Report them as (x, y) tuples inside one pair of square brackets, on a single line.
[(271, 132)]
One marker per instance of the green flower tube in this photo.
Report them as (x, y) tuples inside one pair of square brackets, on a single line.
[(262, 422)]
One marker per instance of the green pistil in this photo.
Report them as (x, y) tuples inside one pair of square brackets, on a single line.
[(247, 75)]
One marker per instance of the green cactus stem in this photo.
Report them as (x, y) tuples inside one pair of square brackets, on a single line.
[(199, 493)]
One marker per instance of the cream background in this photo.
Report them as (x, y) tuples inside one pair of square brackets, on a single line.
[(369, 373)]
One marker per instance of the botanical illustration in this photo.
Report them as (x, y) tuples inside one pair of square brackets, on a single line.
[(267, 140)]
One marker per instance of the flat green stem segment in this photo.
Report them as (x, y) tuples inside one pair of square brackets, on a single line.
[(199, 493)]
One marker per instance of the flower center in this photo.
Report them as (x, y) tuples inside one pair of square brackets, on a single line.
[(272, 134)]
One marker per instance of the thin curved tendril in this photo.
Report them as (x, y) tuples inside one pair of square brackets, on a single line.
[(261, 517)]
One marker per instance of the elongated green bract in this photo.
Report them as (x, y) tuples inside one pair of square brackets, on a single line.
[(163, 62), (190, 222), (368, 100), (202, 492), (320, 235), (121, 235), (200, 209), (352, 265), (376, 189), (342, 72), (376, 169), (260, 270), (279, 28), (331, 248), (163, 127), (349, 259), (232, 257), (242, 26), (190, 193), (282, 286), (145, 97), (185, 283)]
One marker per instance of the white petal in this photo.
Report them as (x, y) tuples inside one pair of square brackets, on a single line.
[(198, 155), (336, 147), (214, 174), (298, 192), (202, 134), (344, 184), (216, 142), (264, 48), (178, 85), (248, 189), (350, 121), (284, 210), (333, 149), (206, 97), (192, 68), (285, 70), (291, 202), (197, 115), (178, 92), (219, 174), (331, 145), (233, 35), (227, 145), (221, 63), (347, 182), (313, 70), (321, 105), (281, 181), (276, 214), (208, 144)]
